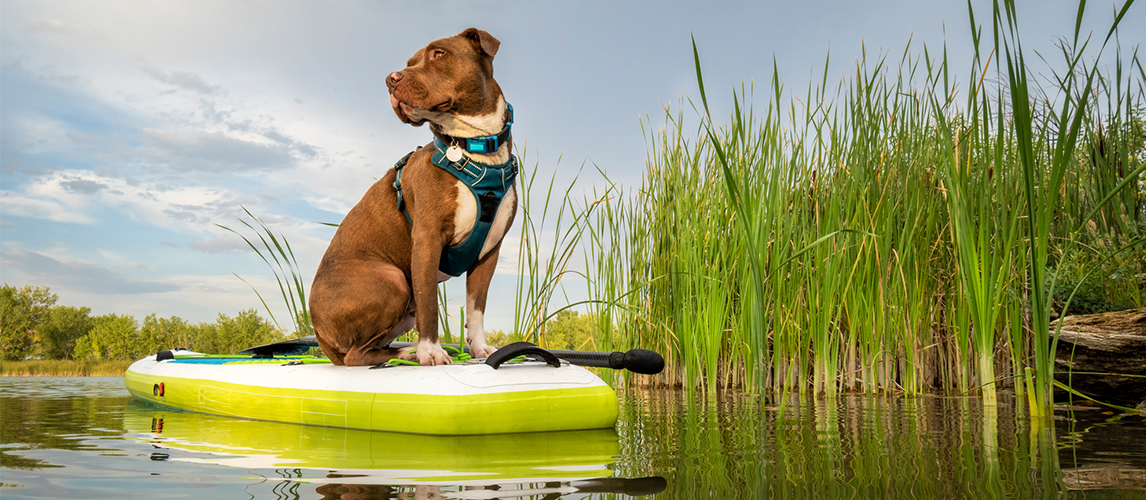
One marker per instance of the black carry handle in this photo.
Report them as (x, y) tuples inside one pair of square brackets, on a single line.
[(641, 361), (521, 349)]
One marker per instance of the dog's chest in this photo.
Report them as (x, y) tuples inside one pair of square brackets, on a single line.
[(468, 211)]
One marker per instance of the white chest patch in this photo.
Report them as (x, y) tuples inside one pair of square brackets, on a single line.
[(467, 214)]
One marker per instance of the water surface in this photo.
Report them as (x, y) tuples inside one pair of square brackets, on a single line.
[(87, 438)]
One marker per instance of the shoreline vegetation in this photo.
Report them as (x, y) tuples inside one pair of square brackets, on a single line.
[(63, 368), (906, 231)]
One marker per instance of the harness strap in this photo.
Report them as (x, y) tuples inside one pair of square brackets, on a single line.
[(398, 186), (487, 183)]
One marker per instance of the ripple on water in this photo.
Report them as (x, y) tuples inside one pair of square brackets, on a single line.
[(87, 438)]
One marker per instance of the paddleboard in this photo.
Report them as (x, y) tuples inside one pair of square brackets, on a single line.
[(469, 398)]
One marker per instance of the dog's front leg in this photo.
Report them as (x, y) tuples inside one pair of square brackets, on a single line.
[(424, 282), (477, 288)]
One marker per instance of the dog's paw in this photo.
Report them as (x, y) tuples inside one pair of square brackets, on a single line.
[(408, 354), (432, 354), (481, 350)]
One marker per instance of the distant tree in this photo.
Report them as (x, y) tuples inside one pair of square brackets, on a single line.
[(21, 312), (498, 338), (113, 336), (232, 335), (569, 330), (158, 334), (84, 349), (205, 338), (62, 328)]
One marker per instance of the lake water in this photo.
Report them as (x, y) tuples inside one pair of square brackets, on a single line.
[(87, 438)]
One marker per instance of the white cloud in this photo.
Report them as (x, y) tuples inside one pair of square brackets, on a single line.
[(331, 204), (17, 205), (75, 195), (183, 79), (56, 27), (220, 244)]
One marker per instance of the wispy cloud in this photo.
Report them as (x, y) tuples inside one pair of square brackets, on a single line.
[(60, 28), (224, 243), (79, 196), (82, 276), (183, 79), (17, 205), (83, 186), (215, 152)]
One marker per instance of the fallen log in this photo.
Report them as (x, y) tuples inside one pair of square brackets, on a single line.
[(1104, 477), (1105, 348)]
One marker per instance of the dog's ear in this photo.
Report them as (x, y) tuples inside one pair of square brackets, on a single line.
[(486, 41)]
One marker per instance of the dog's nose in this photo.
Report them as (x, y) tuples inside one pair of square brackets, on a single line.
[(393, 79)]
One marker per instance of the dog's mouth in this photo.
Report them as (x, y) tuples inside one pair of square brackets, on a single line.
[(416, 115), (403, 110)]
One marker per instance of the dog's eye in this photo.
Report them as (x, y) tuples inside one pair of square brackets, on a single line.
[(437, 53)]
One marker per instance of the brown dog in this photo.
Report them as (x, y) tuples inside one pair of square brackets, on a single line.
[(379, 276)]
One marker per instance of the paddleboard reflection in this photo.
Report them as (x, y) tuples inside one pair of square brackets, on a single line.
[(350, 463)]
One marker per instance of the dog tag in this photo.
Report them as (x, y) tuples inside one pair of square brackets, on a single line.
[(453, 153)]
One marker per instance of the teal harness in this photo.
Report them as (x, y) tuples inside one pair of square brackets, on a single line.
[(487, 183)]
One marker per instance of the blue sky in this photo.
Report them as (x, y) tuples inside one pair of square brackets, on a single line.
[(128, 129)]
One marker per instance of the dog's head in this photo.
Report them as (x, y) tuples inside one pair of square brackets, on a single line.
[(449, 77)]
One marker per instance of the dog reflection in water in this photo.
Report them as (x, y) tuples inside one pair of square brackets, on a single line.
[(636, 487)]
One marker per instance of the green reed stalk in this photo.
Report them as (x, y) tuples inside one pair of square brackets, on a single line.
[(63, 368), (983, 226), (280, 259), (539, 279), (1044, 161)]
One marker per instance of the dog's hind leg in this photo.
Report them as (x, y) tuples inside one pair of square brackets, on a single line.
[(360, 312), (328, 349)]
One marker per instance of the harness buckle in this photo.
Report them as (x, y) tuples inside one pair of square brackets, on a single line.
[(482, 145)]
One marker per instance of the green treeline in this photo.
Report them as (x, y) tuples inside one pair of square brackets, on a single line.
[(567, 329), (32, 326)]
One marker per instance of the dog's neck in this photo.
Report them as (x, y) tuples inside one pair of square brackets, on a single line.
[(446, 124)]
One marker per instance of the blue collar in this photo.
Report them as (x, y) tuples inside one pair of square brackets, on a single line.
[(473, 172), (484, 144)]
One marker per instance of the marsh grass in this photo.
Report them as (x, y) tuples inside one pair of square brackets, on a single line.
[(1046, 152), (890, 234), (276, 252), (552, 227), (63, 368)]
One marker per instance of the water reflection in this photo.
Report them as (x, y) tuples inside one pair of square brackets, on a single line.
[(858, 446), (63, 413), (354, 462), (86, 438)]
